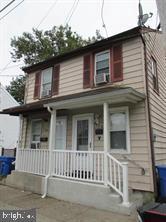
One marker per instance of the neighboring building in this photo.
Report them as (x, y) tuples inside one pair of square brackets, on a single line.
[(9, 125), (161, 5), (108, 102)]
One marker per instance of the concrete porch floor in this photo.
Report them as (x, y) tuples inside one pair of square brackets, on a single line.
[(53, 210)]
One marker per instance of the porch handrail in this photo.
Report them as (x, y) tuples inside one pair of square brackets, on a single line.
[(118, 177), (78, 151)]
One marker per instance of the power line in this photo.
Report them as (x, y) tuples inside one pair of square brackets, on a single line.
[(10, 75), (47, 13), (7, 5), (71, 12), (11, 10), (5, 67), (102, 18), (10, 67)]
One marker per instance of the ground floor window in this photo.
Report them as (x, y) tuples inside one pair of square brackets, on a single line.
[(36, 134), (119, 129)]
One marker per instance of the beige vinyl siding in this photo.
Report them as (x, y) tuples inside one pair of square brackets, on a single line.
[(23, 133), (157, 102), (71, 76), (71, 72), (30, 84)]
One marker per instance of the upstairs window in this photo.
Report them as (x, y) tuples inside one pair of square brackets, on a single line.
[(46, 82), (103, 67), (102, 63), (154, 74)]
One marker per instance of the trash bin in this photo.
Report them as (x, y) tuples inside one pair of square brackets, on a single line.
[(162, 180), (153, 212), (6, 165)]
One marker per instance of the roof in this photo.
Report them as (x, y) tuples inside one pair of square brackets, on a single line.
[(134, 32), (41, 105)]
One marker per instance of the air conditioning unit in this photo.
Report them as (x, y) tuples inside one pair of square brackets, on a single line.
[(35, 145), (46, 93), (101, 78)]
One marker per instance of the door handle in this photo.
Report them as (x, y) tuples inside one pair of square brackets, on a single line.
[(90, 145)]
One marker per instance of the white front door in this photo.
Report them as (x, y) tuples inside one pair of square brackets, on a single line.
[(60, 137), (83, 141), (83, 132)]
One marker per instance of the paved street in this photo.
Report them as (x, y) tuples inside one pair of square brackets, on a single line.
[(52, 210)]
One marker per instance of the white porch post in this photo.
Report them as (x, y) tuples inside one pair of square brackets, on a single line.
[(17, 164), (125, 184), (106, 140), (52, 139)]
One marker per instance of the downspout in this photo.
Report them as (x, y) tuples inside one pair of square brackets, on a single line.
[(150, 123), (50, 157)]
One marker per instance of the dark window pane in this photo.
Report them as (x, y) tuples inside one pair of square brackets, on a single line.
[(102, 64), (82, 134), (101, 71), (118, 140)]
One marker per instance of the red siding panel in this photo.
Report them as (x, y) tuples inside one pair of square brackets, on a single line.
[(117, 63), (87, 71)]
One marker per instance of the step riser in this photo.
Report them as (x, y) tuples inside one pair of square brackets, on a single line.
[(93, 195)]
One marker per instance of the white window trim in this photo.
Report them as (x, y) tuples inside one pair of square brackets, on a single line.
[(128, 145), (34, 120), (64, 118), (90, 116), (99, 53), (42, 73)]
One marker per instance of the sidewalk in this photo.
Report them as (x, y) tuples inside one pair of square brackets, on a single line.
[(52, 210)]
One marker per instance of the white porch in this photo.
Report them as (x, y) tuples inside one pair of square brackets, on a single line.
[(87, 165)]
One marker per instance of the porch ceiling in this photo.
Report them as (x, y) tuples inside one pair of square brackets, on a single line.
[(125, 95)]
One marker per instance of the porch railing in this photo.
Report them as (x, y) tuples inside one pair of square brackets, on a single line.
[(33, 161), (79, 165), (118, 176)]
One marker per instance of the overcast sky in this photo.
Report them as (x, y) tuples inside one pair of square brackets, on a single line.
[(119, 15)]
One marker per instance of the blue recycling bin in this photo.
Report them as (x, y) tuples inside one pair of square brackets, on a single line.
[(162, 179), (6, 165)]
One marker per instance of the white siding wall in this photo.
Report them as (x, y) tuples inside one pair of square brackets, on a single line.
[(9, 125)]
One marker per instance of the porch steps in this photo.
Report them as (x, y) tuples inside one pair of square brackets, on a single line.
[(89, 194), (95, 195)]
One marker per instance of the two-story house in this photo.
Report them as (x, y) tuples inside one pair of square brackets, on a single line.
[(94, 123)]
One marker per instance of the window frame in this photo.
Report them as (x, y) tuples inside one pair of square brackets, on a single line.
[(41, 88), (95, 62), (128, 147), (154, 74), (32, 121)]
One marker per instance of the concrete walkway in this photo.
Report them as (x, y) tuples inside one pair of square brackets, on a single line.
[(52, 210)]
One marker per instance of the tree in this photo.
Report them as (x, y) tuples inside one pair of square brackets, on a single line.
[(41, 45), (17, 88)]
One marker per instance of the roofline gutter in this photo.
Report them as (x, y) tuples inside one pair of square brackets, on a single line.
[(150, 123)]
